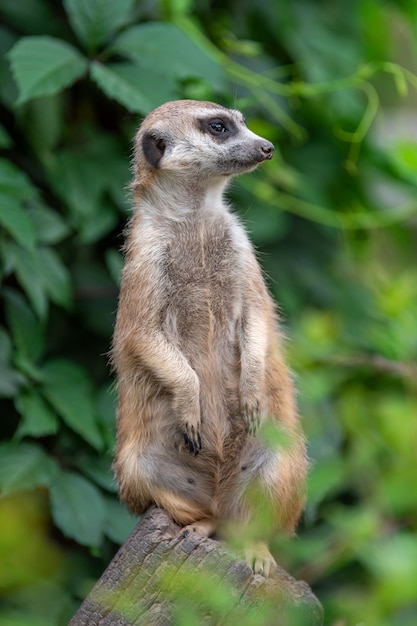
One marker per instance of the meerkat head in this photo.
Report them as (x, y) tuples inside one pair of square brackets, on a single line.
[(197, 140)]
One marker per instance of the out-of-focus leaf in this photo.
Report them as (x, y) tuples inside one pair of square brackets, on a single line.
[(139, 89), (153, 43), (95, 20), (68, 388), (24, 467), (55, 277), (16, 221), (94, 226), (14, 182), (50, 227), (106, 402), (37, 417), (28, 334), (10, 379), (43, 66), (118, 523), (83, 176), (27, 553), (41, 274), (114, 262), (99, 470), (26, 266), (78, 508), (8, 88), (43, 124), (30, 16)]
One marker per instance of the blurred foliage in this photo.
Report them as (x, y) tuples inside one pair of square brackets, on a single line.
[(332, 84)]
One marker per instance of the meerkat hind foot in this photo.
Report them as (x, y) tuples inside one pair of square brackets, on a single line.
[(204, 527), (259, 559)]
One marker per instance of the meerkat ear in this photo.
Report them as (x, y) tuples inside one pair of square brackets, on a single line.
[(153, 148)]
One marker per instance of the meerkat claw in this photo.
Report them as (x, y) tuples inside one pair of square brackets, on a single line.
[(193, 443)]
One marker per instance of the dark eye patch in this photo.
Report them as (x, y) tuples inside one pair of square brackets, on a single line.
[(221, 128)]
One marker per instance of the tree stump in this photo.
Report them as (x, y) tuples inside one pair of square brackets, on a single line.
[(159, 578)]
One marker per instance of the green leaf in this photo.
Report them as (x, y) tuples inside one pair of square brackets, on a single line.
[(140, 89), (43, 66), (114, 262), (78, 508), (87, 179), (10, 380), (118, 523), (28, 335), (43, 123), (14, 182), (24, 467), (8, 89), (41, 273), (15, 219), (106, 403), (95, 20), (38, 419), (26, 266), (34, 16), (166, 50), (76, 178), (94, 227), (68, 388), (48, 224), (99, 470), (55, 277)]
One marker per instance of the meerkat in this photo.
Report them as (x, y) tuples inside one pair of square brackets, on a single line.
[(197, 346)]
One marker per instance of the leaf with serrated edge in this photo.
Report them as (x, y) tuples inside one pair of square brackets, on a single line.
[(43, 66), (78, 508)]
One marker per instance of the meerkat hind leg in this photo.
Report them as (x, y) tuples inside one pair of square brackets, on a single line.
[(205, 527), (259, 558), (192, 517)]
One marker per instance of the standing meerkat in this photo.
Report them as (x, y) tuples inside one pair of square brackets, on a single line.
[(197, 346)]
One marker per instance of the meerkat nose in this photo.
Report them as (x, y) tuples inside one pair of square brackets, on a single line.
[(267, 149)]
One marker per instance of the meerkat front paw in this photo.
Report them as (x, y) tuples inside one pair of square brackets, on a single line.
[(192, 438), (186, 407)]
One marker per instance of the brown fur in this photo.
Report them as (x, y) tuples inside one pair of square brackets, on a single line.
[(197, 346)]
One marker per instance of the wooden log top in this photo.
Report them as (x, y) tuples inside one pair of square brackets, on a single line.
[(159, 578)]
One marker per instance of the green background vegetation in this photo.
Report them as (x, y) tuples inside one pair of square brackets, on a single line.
[(331, 83)]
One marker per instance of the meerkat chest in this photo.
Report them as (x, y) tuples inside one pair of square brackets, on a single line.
[(203, 261)]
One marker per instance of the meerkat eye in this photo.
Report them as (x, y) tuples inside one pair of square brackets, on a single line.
[(217, 126)]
